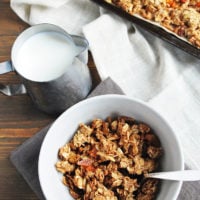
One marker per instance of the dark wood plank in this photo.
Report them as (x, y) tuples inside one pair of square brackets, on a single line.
[(10, 23), (13, 185)]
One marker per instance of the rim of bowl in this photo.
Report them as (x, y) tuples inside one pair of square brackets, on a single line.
[(110, 96)]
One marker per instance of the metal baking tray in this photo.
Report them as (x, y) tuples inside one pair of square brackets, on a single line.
[(155, 30)]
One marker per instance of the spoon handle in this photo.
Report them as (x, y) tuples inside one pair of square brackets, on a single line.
[(185, 175)]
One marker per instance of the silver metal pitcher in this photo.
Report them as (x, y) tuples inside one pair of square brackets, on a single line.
[(56, 95)]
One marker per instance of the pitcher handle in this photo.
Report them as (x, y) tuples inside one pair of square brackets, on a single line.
[(12, 89), (6, 67)]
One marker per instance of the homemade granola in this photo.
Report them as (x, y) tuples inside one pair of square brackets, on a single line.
[(181, 17), (108, 160)]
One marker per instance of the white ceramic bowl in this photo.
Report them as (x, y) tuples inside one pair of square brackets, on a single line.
[(101, 107)]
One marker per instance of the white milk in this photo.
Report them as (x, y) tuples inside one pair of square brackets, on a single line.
[(45, 56)]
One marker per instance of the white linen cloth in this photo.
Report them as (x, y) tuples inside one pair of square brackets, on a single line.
[(144, 66)]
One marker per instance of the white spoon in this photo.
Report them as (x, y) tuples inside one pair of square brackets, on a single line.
[(185, 175)]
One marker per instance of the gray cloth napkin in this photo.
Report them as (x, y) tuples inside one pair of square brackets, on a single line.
[(25, 157)]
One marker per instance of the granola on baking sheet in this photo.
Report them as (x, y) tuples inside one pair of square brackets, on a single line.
[(108, 160), (181, 17)]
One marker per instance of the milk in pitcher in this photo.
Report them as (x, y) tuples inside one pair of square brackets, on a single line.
[(45, 56)]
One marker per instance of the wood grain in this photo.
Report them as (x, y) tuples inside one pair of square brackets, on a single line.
[(19, 119)]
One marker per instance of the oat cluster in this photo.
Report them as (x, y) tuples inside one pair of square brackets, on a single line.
[(108, 160), (181, 17)]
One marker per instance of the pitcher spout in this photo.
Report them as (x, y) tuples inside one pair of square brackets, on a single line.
[(82, 46)]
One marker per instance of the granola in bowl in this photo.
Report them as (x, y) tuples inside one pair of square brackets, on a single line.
[(109, 159)]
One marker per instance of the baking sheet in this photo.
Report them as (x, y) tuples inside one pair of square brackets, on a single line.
[(154, 29)]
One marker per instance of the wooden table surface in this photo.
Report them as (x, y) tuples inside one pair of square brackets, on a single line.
[(19, 119)]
